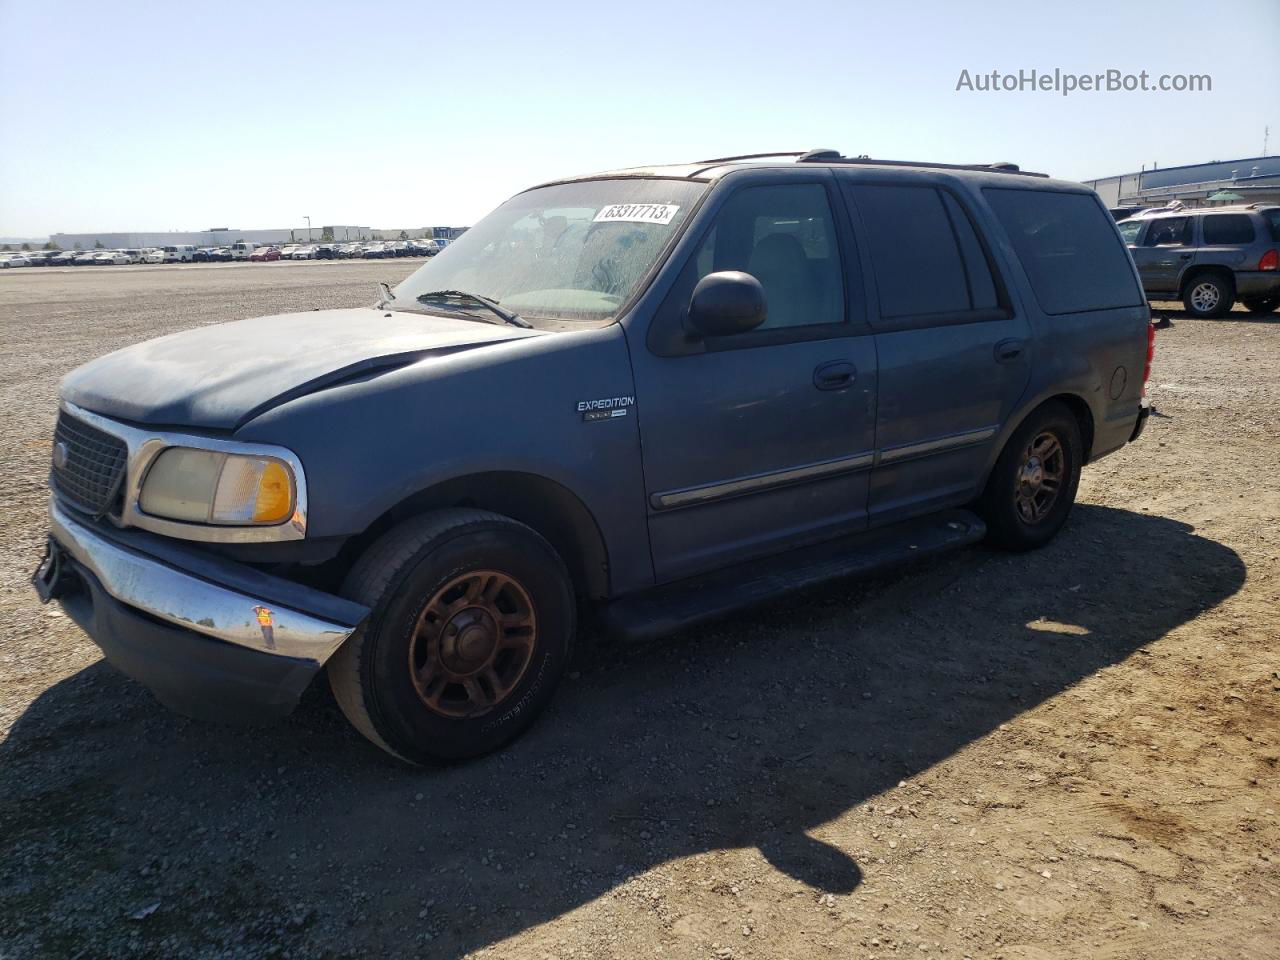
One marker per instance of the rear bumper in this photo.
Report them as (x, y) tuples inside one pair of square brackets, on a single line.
[(1257, 283), (209, 638)]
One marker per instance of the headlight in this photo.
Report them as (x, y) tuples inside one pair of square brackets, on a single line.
[(204, 486)]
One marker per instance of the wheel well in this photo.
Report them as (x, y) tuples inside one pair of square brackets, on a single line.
[(1083, 415), (1197, 272), (551, 509)]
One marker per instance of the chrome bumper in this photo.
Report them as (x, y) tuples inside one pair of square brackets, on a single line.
[(198, 605)]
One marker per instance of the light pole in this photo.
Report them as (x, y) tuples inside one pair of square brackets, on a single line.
[(308, 219)]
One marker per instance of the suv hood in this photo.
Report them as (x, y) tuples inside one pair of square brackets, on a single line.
[(220, 377)]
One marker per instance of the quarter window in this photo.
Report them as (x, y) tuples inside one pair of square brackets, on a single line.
[(1068, 246), (1227, 228)]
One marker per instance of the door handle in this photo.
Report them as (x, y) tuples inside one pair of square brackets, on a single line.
[(1184, 256), (1008, 350), (834, 375)]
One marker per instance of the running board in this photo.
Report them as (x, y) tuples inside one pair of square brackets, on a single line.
[(665, 609)]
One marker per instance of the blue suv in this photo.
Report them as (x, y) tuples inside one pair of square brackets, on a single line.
[(617, 405)]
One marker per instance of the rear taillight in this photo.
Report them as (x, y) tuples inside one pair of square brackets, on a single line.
[(1270, 260), (1151, 355)]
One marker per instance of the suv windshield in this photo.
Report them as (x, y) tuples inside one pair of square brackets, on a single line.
[(573, 251)]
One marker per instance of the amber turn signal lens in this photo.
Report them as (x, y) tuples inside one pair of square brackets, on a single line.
[(275, 495)]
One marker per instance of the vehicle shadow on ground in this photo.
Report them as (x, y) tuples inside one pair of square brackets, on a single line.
[(1173, 310), (754, 733)]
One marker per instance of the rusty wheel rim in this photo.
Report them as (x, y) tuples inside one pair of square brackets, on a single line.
[(1044, 465), (472, 644)]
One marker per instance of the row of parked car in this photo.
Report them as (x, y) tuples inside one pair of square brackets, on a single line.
[(185, 253)]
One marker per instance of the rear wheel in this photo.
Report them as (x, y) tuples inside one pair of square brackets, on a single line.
[(1261, 304), (1207, 296), (471, 628), (1033, 484)]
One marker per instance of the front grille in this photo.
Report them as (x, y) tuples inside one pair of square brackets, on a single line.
[(89, 474)]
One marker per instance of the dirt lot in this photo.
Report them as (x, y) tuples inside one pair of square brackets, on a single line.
[(1068, 754)]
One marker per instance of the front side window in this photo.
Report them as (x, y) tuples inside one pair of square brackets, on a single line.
[(785, 237), (568, 252), (1227, 228), (1067, 245), (1169, 232)]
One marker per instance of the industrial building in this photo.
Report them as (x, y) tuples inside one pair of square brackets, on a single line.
[(1217, 183)]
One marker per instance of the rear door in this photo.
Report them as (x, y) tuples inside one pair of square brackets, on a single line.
[(954, 355), (1163, 252)]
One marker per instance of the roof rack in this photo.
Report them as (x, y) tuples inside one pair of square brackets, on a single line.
[(833, 156), (755, 156)]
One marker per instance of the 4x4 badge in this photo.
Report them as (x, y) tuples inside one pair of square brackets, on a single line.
[(605, 409)]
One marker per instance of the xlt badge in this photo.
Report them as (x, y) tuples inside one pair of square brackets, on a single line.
[(604, 409)]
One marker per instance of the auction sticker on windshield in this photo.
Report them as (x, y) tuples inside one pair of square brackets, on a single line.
[(661, 213)]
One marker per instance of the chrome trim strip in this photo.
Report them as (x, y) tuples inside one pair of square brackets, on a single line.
[(145, 445), (762, 481), (168, 594), (936, 445)]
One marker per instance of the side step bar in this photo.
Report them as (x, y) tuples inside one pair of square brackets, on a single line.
[(671, 607)]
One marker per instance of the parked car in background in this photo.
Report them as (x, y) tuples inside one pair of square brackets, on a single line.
[(36, 258), (179, 253), (113, 258), (14, 260), (724, 364), (350, 250), (154, 255), (326, 251), (265, 254), (86, 258), (134, 255), (287, 251), (242, 250), (303, 252), (64, 258), (375, 251), (1209, 257)]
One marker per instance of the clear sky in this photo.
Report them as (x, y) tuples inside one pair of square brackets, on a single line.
[(160, 115)]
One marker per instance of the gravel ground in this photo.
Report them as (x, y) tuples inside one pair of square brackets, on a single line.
[(1066, 754)]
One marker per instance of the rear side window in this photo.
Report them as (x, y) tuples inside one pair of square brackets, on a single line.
[(1129, 230), (1069, 248), (925, 253), (1169, 232), (1225, 228)]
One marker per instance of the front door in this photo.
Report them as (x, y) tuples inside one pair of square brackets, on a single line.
[(1163, 252), (760, 441), (954, 357)]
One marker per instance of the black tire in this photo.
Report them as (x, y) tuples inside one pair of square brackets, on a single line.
[(1262, 305), (1001, 504), (1207, 296), (373, 675)]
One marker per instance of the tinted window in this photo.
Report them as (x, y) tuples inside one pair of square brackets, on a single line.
[(982, 289), (1273, 221), (1169, 232), (1222, 228), (785, 237), (913, 250), (1069, 249), (1129, 230)]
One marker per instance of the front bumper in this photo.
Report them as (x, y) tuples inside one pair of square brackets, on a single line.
[(210, 638)]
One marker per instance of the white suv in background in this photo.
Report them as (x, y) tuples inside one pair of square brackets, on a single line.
[(182, 253)]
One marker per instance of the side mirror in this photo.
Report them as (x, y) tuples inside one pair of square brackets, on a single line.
[(726, 303)]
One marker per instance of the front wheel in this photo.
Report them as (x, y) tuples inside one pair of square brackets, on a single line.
[(1033, 484), (1261, 304), (471, 628)]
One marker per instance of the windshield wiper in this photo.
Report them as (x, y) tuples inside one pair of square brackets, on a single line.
[(385, 296), (507, 316)]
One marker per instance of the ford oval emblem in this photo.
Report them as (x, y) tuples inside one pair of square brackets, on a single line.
[(60, 453)]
